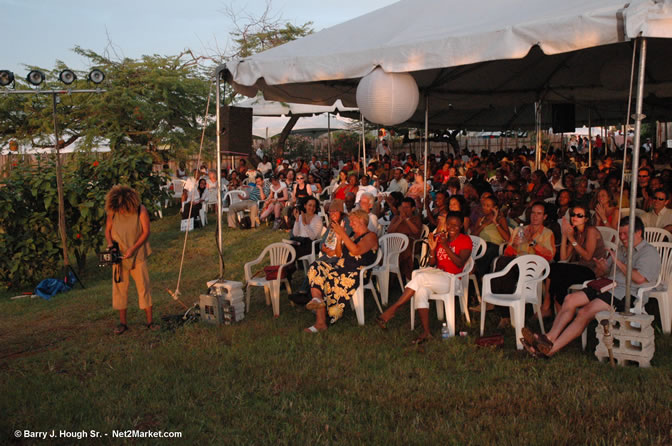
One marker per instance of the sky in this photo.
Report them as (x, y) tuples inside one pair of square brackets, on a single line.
[(44, 31)]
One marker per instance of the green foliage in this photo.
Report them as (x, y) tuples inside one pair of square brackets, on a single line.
[(155, 101), (261, 35), (298, 146), (346, 144), (30, 247)]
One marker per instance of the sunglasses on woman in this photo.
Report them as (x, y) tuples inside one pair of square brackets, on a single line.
[(572, 214)]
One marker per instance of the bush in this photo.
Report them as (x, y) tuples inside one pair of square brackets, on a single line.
[(30, 247)]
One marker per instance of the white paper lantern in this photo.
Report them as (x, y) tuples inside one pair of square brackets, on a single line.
[(387, 98)]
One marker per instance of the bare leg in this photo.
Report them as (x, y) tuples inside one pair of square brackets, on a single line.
[(583, 318), (424, 319), (122, 317), (405, 297), (546, 301), (320, 313), (148, 313), (566, 314)]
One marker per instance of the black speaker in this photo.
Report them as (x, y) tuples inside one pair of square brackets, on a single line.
[(236, 128), (563, 118)]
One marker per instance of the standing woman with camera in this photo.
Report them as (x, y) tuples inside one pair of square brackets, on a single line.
[(128, 226)]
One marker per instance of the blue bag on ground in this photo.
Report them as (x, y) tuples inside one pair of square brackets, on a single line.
[(48, 288)]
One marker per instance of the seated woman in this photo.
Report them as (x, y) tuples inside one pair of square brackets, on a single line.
[(276, 201), (604, 205), (332, 284), (458, 204), (409, 223), (192, 200), (440, 205), (417, 188), (307, 227), (450, 251), (493, 228), (344, 189), (580, 245)]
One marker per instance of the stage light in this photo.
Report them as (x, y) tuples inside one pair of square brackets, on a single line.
[(35, 77), (6, 78), (96, 76), (67, 77)]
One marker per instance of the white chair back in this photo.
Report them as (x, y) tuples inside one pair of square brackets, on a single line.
[(178, 187), (234, 196), (665, 251), (532, 270), (653, 235), (608, 234), (624, 212), (478, 248), (392, 245)]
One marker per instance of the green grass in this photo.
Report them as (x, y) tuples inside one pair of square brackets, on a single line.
[(264, 381)]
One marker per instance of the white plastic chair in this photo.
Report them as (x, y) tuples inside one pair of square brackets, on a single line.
[(653, 235), (280, 254), (178, 187), (661, 290), (392, 245), (608, 234), (421, 256), (624, 212), (478, 249), (448, 299), (357, 301), (308, 259), (212, 197), (532, 270), (233, 196)]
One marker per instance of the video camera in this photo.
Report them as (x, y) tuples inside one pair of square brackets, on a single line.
[(110, 257)]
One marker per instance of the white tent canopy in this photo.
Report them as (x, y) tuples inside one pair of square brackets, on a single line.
[(269, 126), (482, 64), (262, 107)]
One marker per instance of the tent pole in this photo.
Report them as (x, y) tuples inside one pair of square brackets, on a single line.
[(363, 144), (537, 119), (329, 138), (424, 182), (635, 167), (219, 178), (590, 142)]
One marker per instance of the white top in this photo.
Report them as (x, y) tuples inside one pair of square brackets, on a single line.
[(366, 189), (312, 230), (276, 193), (398, 186), (264, 167), (651, 220)]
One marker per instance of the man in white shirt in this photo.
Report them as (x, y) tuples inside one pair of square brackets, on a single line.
[(260, 152), (264, 166), (382, 150), (365, 187), (660, 216), (366, 204), (398, 183)]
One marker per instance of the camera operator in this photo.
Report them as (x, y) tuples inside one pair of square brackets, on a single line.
[(128, 226)]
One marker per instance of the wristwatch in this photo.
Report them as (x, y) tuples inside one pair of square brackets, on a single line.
[(533, 243), (574, 243)]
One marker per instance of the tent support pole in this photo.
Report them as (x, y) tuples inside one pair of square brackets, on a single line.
[(218, 75), (635, 167), (363, 145), (329, 138), (424, 185), (537, 126), (590, 141)]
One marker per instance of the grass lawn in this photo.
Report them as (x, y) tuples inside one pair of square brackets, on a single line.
[(264, 381)]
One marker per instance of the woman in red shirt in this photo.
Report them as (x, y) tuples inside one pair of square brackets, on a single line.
[(450, 251)]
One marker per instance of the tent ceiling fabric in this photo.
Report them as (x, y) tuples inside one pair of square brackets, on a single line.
[(262, 107), (483, 67)]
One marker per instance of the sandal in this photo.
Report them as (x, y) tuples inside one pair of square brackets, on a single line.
[(315, 304), (121, 328), (529, 348), (421, 339), (539, 341), (313, 330)]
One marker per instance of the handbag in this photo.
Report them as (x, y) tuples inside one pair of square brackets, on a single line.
[(271, 271)]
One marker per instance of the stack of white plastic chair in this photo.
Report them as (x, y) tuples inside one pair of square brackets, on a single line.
[(532, 270), (280, 254), (661, 290), (422, 254), (447, 300), (654, 235), (392, 245)]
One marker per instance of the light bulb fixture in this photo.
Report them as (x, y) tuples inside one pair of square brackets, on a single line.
[(35, 77), (6, 78), (96, 76), (67, 77)]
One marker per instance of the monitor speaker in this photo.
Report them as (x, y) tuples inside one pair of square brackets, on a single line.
[(236, 129), (563, 118)]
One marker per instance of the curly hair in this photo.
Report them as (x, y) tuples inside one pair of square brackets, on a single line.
[(122, 199), (361, 215)]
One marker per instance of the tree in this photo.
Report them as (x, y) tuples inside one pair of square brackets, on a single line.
[(155, 101)]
